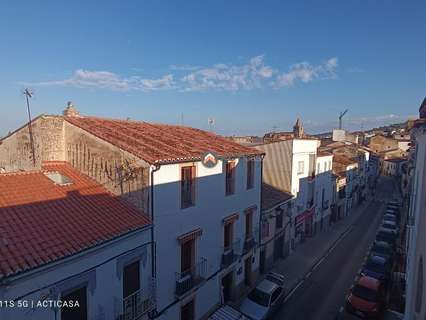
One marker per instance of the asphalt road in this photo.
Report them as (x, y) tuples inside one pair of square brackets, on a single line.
[(322, 295)]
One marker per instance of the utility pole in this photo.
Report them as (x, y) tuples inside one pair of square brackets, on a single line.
[(29, 94)]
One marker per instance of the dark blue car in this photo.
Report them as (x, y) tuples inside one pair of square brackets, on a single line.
[(377, 267)]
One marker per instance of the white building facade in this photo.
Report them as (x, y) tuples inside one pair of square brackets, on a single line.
[(206, 250)]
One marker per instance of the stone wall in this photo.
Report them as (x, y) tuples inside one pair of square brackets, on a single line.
[(48, 140), (57, 140), (118, 171)]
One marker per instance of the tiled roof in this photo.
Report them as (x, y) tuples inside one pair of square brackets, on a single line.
[(272, 197), (344, 160), (41, 222), (160, 143), (322, 153)]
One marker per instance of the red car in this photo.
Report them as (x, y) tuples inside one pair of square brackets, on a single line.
[(366, 298)]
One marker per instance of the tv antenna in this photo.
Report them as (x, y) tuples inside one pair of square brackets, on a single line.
[(29, 94), (341, 116)]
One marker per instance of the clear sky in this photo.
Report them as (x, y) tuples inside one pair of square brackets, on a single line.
[(250, 65)]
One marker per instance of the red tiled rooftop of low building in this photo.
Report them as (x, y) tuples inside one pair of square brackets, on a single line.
[(160, 143), (42, 222), (272, 196), (343, 160)]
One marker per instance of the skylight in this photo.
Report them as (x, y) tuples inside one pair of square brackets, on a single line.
[(58, 178)]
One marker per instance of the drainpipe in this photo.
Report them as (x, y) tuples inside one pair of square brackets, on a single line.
[(154, 169), (260, 206)]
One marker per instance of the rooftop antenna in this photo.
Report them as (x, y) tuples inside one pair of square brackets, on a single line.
[(341, 116), (29, 94), (211, 122)]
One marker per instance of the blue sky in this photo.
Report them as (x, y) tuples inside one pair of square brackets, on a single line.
[(251, 65)]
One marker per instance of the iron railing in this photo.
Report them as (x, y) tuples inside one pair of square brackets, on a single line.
[(190, 278), (231, 253), (137, 304), (251, 240)]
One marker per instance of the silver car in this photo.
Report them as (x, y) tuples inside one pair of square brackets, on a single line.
[(265, 299)]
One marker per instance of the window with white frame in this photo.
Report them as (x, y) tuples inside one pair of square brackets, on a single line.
[(300, 167)]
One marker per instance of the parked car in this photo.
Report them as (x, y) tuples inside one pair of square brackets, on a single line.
[(390, 217), (383, 249), (391, 225), (265, 299), (377, 267), (366, 298), (395, 203), (386, 235), (393, 210)]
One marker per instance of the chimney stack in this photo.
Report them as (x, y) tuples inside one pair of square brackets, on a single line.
[(70, 110)]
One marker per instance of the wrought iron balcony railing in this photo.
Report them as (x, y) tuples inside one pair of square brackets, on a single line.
[(231, 253), (190, 278), (137, 304), (251, 240)]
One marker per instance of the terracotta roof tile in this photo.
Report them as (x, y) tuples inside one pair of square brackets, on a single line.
[(272, 196), (41, 221), (160, 143)]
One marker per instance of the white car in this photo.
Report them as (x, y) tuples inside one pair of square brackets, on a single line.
[(265, 299)]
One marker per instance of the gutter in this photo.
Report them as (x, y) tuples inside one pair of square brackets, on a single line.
[(154, 169)]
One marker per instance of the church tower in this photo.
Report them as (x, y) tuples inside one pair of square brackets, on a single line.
[(298, 129)]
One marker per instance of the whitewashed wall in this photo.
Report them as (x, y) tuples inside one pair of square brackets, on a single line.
[(101, 268), (211, 207)]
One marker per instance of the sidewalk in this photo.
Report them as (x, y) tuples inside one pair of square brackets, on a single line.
[(308, 254)]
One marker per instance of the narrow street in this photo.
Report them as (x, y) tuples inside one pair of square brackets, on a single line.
[(322, 294)]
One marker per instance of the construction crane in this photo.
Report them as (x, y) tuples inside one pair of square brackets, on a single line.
[(341, 116)]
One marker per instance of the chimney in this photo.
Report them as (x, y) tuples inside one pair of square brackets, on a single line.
[(70, 110)]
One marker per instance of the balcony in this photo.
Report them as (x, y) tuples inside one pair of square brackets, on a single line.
[(137, 304), (189, 279), (251, 240), (231, 253), (325, 205)]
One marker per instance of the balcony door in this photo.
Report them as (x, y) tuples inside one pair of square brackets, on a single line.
[(131, 279), (228, 236), (80, 313), (187, 259)]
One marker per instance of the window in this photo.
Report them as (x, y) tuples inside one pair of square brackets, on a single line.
[(187, 258), (187, 311), (69, 313), (250, 173), (187, 186), (230, 177), (265, 229), (228, 235), (58, 178), (279, 220), (131, 279), (249, 223), (300, 167)]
